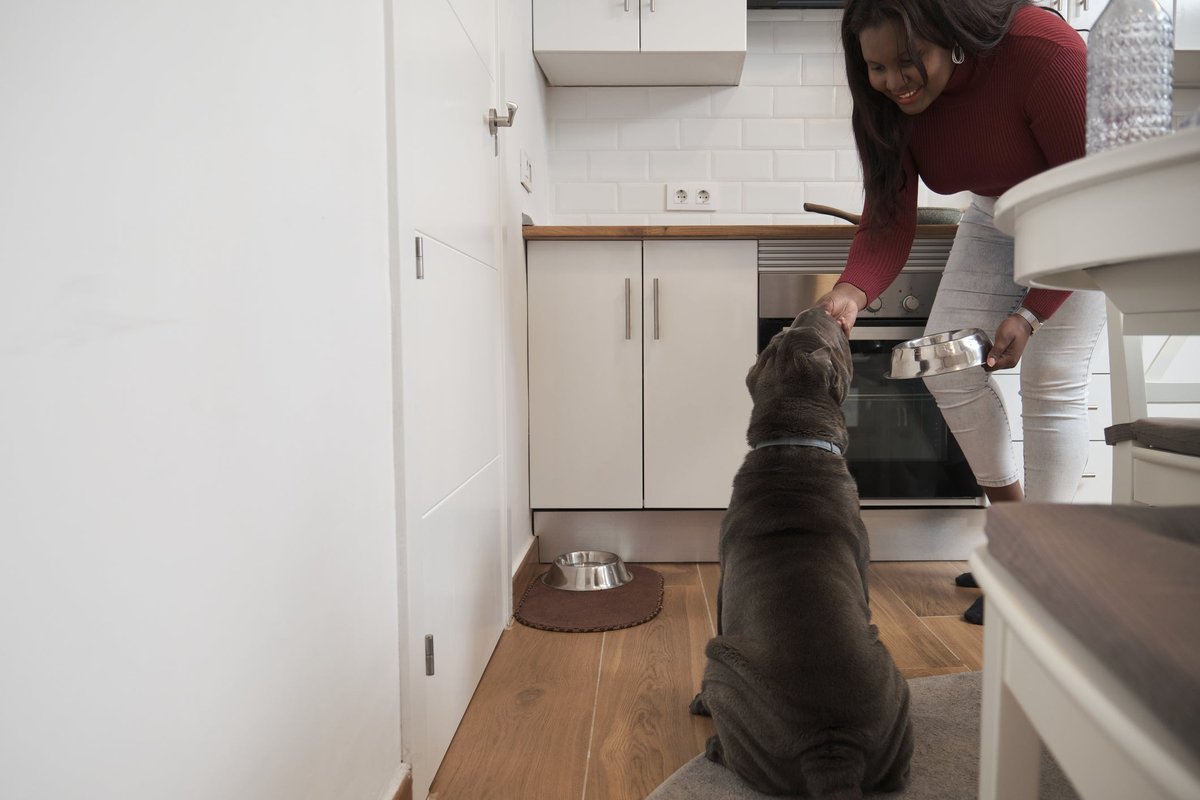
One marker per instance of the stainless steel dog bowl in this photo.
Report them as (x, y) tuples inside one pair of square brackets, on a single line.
[(940, 353), (587, 571)]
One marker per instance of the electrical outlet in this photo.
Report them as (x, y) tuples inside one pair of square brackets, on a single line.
[(526, 172), (691, 197)]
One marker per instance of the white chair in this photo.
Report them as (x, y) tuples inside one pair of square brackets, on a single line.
[(1070, 661), (1156, 459)]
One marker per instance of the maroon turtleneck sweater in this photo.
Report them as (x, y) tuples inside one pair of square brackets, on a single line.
[(1001, 119)]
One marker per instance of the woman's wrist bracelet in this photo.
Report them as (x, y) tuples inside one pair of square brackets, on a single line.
[(1027, 315)]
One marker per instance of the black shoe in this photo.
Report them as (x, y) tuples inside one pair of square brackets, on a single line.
[(966, 580), (974, 614)]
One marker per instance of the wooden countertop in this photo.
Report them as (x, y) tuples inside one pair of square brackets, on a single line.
[(580, 232)]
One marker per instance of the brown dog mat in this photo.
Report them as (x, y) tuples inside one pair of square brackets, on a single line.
[(551, 609)]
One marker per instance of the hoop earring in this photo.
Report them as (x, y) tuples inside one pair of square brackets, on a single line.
[(957, 55)]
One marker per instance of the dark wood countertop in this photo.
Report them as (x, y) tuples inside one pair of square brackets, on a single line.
[(581, 232)]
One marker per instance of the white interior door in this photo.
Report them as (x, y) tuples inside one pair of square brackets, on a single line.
[(452, 542), (585, 374), (697, 407)]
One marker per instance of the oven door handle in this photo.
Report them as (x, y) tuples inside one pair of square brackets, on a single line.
[(886, 333)]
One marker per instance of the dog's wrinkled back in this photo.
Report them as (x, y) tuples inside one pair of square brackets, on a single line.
[(805, 698)]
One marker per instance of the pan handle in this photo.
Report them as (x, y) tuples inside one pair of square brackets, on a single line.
[(849, 216)]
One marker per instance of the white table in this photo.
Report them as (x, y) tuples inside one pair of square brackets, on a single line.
[(1125, 222)]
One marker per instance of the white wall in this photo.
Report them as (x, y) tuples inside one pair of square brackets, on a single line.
[(522, 82), (197, 567), (779, 139)]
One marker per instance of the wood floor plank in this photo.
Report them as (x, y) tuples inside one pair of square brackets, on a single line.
[(710, 576), (914, 647), (643, 731), (965, 639), (526, 730), (926, 587), (677, 574)]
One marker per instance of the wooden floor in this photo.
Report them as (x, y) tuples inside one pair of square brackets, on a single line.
[(603, 716)]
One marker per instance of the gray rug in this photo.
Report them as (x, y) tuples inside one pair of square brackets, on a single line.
[(945, 765)]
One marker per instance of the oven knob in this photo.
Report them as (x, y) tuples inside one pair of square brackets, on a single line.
[(910, 303), (875, 304)]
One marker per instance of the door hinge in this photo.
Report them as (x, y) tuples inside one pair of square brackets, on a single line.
[(429, 655), (420, 258)]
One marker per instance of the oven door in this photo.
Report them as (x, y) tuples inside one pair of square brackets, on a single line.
[(901, 453)]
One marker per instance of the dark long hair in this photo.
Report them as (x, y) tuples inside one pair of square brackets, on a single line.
[(881, 130)]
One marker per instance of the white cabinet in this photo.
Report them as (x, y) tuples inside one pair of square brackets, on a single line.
[(640, 42), (637, 362)]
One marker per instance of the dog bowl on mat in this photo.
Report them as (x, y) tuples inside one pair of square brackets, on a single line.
[(586, 571), (940, 353)]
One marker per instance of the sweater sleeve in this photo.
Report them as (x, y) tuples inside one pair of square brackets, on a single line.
[(1057, 110), (878, 254)]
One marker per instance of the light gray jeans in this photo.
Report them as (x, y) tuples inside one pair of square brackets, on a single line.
[(978, 291)]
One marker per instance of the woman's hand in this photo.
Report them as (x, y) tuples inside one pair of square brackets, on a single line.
[(1008, 343), (843, 303)]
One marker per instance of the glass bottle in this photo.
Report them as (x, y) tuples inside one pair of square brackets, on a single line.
[(1130, 67)]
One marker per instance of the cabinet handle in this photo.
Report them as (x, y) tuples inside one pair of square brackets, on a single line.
[(626, 6), (1089, 474), (1084, 5), (1094, 408), (651, 6), (656, 308), (628, 319)]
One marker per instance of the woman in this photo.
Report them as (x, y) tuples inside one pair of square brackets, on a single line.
[(975, 95)]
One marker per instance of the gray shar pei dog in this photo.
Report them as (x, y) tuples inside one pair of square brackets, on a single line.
[(805, 698)]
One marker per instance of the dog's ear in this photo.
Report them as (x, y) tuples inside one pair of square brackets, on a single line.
[(822, 358)]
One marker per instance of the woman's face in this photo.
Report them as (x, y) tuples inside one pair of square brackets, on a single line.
[(894, 74)]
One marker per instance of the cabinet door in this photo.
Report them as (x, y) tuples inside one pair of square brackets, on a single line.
[(701, 334), (599, 26), (585, 374), (670, 26)]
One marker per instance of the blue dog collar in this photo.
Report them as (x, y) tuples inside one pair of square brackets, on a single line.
[(801, 441)]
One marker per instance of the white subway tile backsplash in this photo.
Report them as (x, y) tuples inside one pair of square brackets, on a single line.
[(772, 198), (771, 69), (779, 138), (569, 165), (742, 101), (585, 136), (743, 165), (760, 37), (711, 133), (642, 197), (849, 168), (843, 102), (649, 134), (566, 102), (773, 133), (585, 198), (618, 165), (805, 165), (806, 37), (822, 70), (685, 165), (805, 101), (680, 101), (835, 133), (846, 196), (618, 102)]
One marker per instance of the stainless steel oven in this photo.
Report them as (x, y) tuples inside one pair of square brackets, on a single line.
[(901, 452)]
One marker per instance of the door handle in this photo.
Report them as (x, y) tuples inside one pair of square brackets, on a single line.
[(496, 121), (656, 308), (628, 318)]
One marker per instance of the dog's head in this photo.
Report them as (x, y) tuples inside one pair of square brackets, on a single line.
[(801, 378)]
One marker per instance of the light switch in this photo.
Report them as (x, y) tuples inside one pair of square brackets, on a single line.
[(526, 172)]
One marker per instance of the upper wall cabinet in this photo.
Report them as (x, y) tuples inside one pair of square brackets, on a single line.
[(640, 42)]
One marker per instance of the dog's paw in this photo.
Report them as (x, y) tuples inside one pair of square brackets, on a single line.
[(697, 707), (713, 750)]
